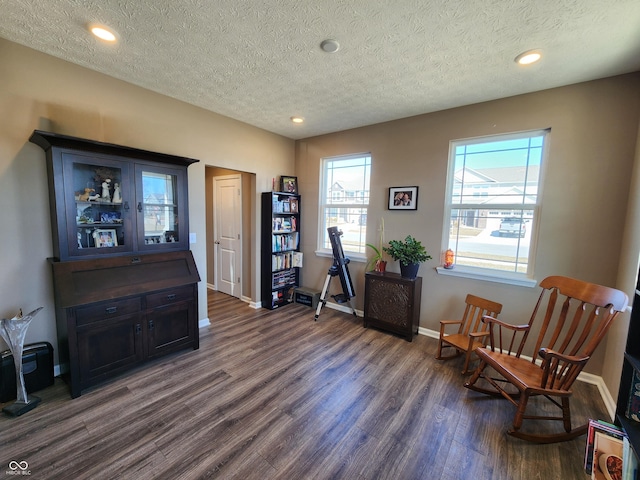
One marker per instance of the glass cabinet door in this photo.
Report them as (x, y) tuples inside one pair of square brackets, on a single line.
[(98, 213), (159, 208)]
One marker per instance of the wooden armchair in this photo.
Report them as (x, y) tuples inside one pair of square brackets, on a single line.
[(575, 316), (471, 333)]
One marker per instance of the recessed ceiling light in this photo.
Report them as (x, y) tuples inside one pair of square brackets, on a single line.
[(330, 46), (528, 57), (103, 33), (297, 119)]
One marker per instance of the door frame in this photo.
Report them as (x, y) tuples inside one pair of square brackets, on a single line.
[(214, 212)]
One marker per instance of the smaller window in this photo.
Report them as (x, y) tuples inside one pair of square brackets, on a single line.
[(344, 201)]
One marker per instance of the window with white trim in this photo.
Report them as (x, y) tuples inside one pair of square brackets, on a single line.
[(344, 201), (493, 202)]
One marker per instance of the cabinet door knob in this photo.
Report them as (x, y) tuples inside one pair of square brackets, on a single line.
[(126, 206), (150, 324), (140, 207), (138, 329)]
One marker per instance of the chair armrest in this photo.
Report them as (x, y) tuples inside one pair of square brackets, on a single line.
[(478, 334), (492, 320), (559, 370), (547, 355), (505, 337), (444, 323)]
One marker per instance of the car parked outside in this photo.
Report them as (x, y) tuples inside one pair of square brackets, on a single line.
[(515, 226)]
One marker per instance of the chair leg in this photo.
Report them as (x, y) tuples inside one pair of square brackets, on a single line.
[(519, 417), (467, 361), (566, 414), (475, 377), (439, 354)]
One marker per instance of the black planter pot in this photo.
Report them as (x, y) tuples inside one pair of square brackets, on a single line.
[(409, 271)]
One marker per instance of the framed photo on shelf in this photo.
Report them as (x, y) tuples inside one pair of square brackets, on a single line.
[(403, 198), (289, 184), (294, 205), (105, 237)]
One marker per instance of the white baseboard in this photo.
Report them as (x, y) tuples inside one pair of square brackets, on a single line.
[(204, 322)]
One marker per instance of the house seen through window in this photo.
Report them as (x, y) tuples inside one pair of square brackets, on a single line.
[(493, 202), (344, 200)]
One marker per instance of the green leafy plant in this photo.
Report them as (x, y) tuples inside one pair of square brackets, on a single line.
[(378, 250), (408, 251)]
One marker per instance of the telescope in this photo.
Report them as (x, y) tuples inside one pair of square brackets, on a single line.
[(339, 269)]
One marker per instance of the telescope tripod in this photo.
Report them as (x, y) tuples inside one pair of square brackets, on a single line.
[(339, 298)]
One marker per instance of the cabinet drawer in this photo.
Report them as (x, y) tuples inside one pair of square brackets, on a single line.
[(103, 310), (167, 297)]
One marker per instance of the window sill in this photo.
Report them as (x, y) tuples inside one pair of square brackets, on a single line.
[(354, 257), (468, 272)]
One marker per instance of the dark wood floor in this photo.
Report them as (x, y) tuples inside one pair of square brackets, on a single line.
[(275, 395)]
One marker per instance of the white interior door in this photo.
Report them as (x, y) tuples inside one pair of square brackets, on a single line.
[(227, 225)]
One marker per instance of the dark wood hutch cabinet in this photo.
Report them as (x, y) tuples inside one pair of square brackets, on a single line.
[(124, 278), (392, 303)]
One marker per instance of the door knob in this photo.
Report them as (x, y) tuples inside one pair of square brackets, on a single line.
[(217, 242)]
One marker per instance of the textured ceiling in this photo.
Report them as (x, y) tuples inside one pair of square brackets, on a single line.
[(259, 61)]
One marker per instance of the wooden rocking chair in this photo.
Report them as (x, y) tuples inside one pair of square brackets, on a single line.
[(472, 332), (575, 317)]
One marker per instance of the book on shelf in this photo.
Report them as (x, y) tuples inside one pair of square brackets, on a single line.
[(629, 461), (607, 457), (633, 404), (604, 449)]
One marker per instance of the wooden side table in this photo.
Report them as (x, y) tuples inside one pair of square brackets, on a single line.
[(392, 303)]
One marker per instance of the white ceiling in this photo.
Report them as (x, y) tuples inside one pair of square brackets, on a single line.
[(260, 62)]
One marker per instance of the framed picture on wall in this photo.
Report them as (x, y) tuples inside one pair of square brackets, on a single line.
[(289, 184), (403, 198)]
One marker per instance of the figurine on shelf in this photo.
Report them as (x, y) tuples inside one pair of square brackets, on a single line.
[(84, 197), (106, 195), (79, 240), (117, 196)]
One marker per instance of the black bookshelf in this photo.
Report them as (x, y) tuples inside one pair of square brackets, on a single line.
[(280, 248), (630, 369)]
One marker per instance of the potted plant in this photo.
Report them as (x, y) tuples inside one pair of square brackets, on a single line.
[(377, 262), (410, 253)]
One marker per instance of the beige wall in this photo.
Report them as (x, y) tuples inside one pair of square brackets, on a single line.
[(594, 129), (41, 92)]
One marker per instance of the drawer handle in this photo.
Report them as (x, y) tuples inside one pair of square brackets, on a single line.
[(138, 329), (171, 296), (111, 310)]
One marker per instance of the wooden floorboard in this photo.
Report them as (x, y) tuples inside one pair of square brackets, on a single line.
[(275, 395)]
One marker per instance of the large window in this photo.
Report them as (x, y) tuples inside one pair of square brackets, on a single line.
[(493, 202), (344, 200)]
